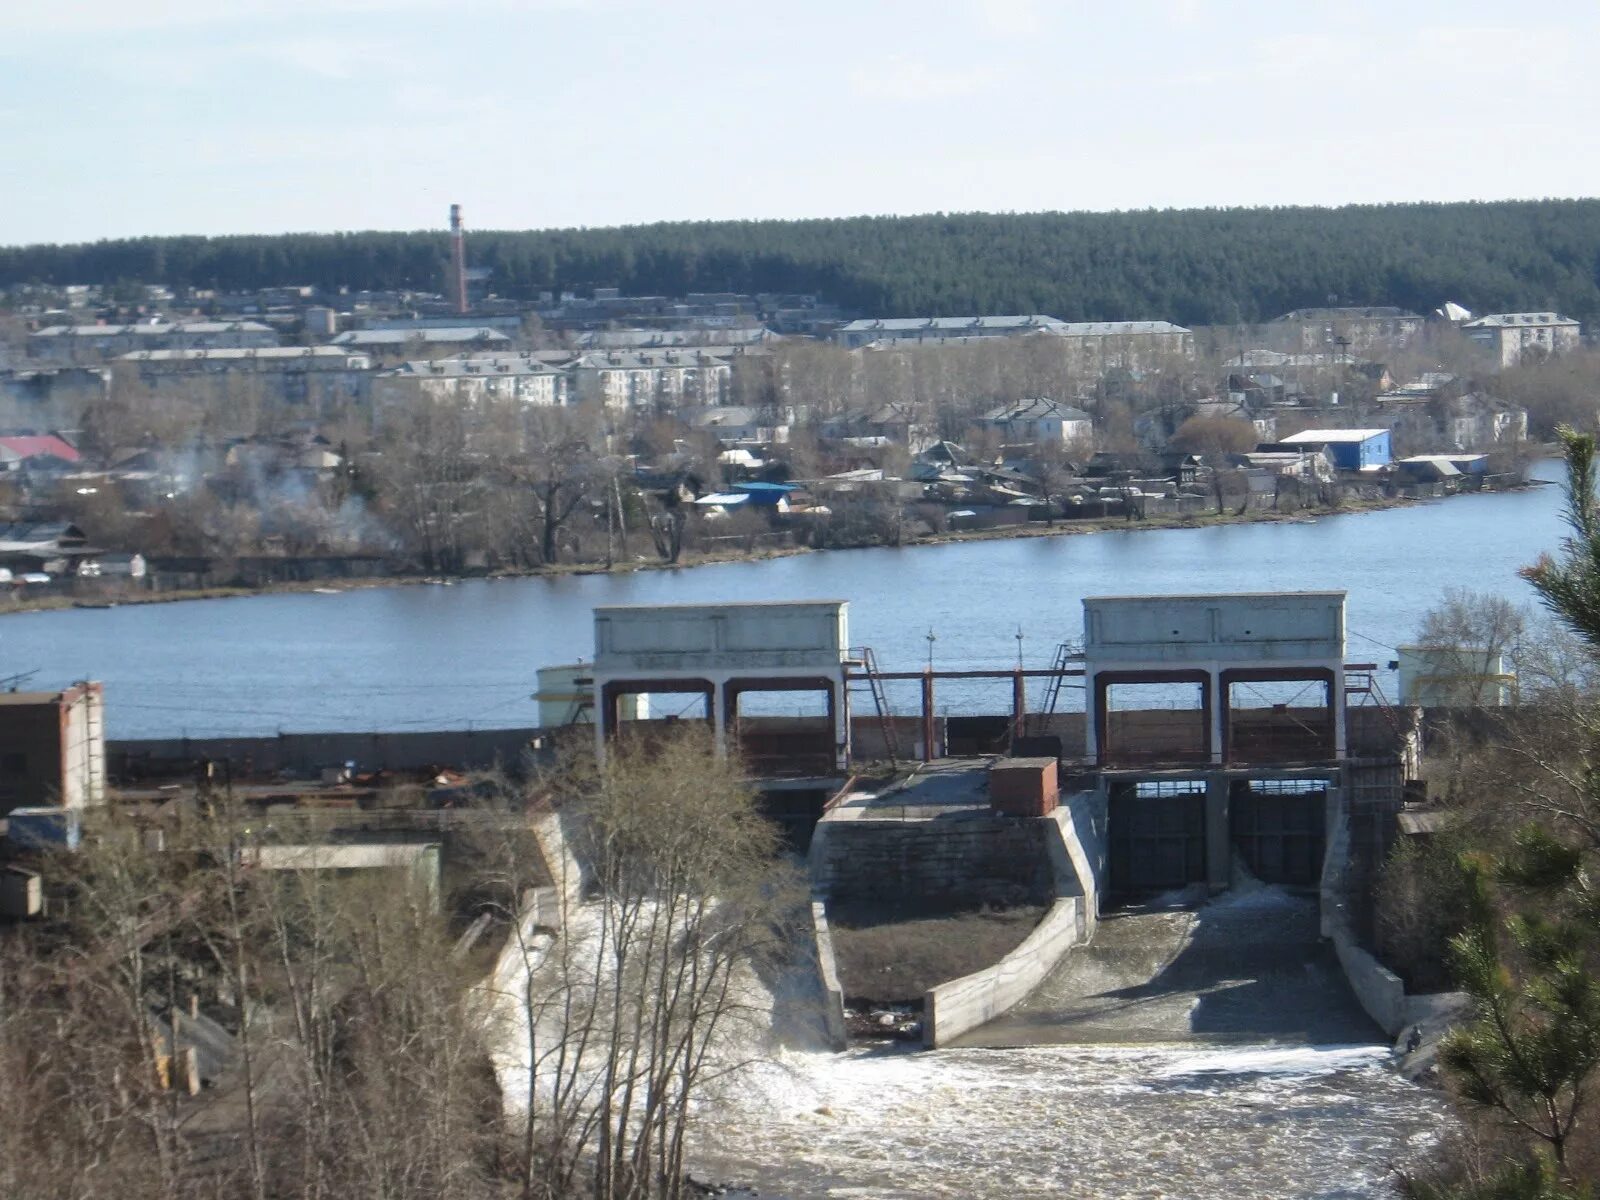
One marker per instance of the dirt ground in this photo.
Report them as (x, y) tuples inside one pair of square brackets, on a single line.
[(889, 956)]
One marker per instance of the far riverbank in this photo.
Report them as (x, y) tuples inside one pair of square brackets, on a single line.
[(468, 655), (21, 602)]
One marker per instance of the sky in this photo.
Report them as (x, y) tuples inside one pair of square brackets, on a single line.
[(128, 117)]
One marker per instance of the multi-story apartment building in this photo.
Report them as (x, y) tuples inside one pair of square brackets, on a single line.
[(650, 378), (101, 343), (1345, 330), (900, 330), (1510, 337), (411, 343), (475, 379), (1096, 347), (322, 377), (53, 397)]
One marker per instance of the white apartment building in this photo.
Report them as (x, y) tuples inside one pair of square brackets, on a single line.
[(1510, 336), (98, 343), (475, 379), (650, 378)]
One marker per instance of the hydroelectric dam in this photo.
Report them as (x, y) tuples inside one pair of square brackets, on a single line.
[(1194, 798)]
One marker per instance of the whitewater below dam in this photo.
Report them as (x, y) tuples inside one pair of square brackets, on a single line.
[(1102, 1122), (1184, 1062)]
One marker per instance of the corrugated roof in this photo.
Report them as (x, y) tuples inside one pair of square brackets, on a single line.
[(155, 329), (399, 337), (1036, 408), (1509, 320), (238, 353), (1117, 328), (338, 857), (952, 325), (1308, 436)]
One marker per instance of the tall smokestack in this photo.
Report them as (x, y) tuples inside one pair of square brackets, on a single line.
[(458, 260)]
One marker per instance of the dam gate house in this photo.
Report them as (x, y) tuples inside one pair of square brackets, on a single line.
[(1206, 733)]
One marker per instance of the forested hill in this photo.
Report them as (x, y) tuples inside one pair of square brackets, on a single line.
[(1201, 266)]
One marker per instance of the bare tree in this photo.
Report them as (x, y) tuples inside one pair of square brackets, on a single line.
[(645, 998)]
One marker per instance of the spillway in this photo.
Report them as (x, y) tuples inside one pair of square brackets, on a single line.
[(1198, 1052)]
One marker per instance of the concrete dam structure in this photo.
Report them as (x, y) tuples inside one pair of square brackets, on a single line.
[(1216, 784)]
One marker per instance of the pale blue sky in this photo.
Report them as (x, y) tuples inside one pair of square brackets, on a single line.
[(209, 116)]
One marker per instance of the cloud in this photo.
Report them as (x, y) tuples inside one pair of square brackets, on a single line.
[(1185, 12), (906, 79), (50, 17), (325, 57), (1010, 18)]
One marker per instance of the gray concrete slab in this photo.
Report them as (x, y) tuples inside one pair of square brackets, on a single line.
[(944, 788), (1247, 967)]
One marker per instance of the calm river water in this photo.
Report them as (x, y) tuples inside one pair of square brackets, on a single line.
[(448, 657)]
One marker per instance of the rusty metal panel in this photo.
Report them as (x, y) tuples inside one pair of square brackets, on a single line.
[(1280, 838), (1156, 843)]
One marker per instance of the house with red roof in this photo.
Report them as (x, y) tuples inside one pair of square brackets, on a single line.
[(37, 452)]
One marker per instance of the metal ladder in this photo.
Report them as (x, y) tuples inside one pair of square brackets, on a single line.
[(880, 702), (1065, 653), (1363, 681)]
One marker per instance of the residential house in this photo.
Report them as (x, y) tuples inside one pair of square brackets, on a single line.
[(1039, 421), (1289, 462), (49, 547), (737, 424), (895, 423), (1511, 337), (1434, 413), (101, 343), (40, 453)]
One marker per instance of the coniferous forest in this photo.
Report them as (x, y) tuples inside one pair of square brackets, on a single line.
[(1195, 267)]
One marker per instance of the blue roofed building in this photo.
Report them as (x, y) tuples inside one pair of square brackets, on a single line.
[(1350, 449), (767, 495)]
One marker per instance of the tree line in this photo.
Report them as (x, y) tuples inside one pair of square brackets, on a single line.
[(1193, 266)]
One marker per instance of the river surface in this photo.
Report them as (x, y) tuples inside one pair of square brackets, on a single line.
[(430, 657)]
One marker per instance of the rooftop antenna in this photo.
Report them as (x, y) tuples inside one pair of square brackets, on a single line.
[(458, 261), (1019, 647), (930, 640)]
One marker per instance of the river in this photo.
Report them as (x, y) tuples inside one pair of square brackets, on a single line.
[(431, 657)]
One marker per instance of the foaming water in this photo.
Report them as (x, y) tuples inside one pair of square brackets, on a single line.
[(1203, 1053), (1106, 1121)]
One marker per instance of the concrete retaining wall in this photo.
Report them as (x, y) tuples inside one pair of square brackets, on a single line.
[(997, 859), (1379, 990), (954, 1008), (1074, 842), (833, 1026), (566, 872)]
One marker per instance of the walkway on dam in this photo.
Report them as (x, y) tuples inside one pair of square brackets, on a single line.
[(1245, 967)]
